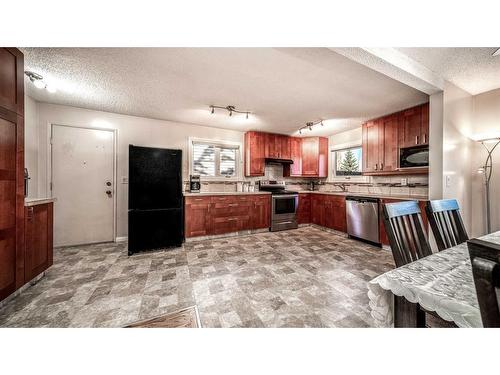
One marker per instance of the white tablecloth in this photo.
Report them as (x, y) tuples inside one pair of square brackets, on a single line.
[(441, 282)]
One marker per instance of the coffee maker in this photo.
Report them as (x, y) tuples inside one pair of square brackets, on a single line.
[(194, 183)]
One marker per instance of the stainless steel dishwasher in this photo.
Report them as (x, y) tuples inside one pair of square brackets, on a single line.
[(362, 218)]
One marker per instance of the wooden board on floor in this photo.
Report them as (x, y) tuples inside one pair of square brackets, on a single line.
[(185, 318)]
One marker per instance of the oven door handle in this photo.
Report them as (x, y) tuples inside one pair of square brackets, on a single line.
[(284, 196)]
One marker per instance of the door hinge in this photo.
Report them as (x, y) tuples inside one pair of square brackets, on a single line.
[(50, 186)]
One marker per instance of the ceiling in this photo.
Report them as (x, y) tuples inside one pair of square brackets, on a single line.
[(283, 87), (474, 70)]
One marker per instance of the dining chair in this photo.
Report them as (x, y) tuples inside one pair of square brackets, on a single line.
[(446, 223), (406, 233), (485, 261)]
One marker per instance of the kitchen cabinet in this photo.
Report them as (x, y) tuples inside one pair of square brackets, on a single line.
[(38, 239), (318, 209), (388, 143), (315, 157), (255, 152), (211, 215), (277, 146), (304, 209), (414, 126), (196, 216), (11, 171), (382, 233), (328, 211), (295, 169), (371, 145)]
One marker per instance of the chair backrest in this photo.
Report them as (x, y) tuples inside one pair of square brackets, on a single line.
[(406, 233), (485, 261), (446, 223)]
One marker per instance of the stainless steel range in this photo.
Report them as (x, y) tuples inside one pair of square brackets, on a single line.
[(283, 207)]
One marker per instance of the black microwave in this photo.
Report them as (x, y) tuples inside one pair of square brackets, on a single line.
[(414, 157)]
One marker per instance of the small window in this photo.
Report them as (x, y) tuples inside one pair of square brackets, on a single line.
[(214, 159), (348, 162)]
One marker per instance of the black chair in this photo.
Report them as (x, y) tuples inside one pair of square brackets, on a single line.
[(446, 223), (406, 233), (485, 261)]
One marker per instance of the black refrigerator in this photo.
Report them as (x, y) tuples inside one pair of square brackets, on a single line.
[(155, 200)]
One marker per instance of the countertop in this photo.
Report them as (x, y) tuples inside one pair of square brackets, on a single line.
[(188, 194), (370, 195), (29, 202)]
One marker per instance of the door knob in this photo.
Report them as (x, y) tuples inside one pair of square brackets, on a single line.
[(108, 192), (108, 183)]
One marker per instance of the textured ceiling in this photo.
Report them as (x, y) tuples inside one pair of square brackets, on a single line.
[(284, 87), (474, 70)]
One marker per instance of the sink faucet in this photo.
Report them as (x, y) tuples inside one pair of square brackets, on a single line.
[(341, 186)]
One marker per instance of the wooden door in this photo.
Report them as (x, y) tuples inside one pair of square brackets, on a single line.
[(310, 149), (322, 157), (255, 152), (285, 152), (411, 127), (304, 209), (318, 209), (12, 80), (38, 240), (197, 216), (388, 143), (261, 214), (273, 145), (329, 211), (296, 156), (424, 129), (339, 214), (371, 146)]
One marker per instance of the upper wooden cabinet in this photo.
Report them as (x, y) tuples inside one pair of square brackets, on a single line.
[(315, 157), (12, 80), (309, 155), (255, 152), (414, 128), (383, 137)]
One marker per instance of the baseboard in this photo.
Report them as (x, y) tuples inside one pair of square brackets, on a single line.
[(121, 239)]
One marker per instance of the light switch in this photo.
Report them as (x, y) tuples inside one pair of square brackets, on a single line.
[(448, 181), (404, 181)]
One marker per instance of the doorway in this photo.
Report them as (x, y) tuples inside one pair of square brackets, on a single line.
[(83, 182)]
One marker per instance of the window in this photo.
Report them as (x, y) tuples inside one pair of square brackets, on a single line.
[(214, 159), (348, 162)]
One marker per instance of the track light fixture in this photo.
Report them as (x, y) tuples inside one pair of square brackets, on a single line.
[(309, 125), (38, 81), (230, 109)]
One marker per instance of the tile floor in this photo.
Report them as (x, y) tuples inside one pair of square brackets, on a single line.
[(300, 278)]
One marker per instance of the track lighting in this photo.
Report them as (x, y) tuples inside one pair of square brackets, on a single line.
[(230, 109), (38, 81), (309, 125)]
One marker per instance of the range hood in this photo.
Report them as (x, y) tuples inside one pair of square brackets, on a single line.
[(278, 161)]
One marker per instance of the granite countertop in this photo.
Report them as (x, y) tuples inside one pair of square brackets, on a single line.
[(188, 194), (370, 195), (28, 202)]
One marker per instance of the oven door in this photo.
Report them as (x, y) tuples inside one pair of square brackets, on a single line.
[(284, 207)]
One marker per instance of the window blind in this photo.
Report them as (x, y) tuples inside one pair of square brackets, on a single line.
[(228, 162), (204, 159)]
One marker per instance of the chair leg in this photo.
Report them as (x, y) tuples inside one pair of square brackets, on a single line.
[(407, 314)]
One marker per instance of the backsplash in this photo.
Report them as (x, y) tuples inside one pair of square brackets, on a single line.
[(417, 185)]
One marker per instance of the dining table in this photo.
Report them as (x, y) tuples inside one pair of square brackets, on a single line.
[(441, 284)]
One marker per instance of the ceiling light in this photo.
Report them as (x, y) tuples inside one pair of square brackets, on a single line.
[(38, 81), (309, 125), (496, 53), (39, 84), (230, 109)]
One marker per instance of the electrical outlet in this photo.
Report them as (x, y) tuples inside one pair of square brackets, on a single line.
[(404, 181), (448, 181)]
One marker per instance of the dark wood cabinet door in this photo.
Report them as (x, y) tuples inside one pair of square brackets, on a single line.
[(371, 146), (197, 216), (261, 215), (38, 240), (411, 127), (424, 129), (318, 209), (322, 157), (338, 209), (389, 150), (12, 80), (285, 152), (310, 149), (273, 145), (255, 150), (296, 156), (304, 209)]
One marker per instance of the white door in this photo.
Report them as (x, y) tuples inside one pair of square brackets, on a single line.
[(83, 184)]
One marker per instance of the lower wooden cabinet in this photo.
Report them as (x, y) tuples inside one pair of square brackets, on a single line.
[(304, 209), (328, 211), (38, 239), (210, 215)]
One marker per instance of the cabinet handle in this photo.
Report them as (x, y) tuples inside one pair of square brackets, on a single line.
[(425, 138), (376, 167), (416, 140), (381, 166), (232, 204)]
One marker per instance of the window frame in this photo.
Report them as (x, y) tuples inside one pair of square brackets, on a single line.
[(333, 164), (218, 144)]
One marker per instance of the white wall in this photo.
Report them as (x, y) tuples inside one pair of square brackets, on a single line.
[(130, 130), (457, 149), (486, 120)]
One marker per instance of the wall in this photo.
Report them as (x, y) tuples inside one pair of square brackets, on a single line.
[(457, 149), (31, 143), (486, 120), (130, 130)]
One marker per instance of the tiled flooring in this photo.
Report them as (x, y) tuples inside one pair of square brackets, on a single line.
[(300, 278)]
